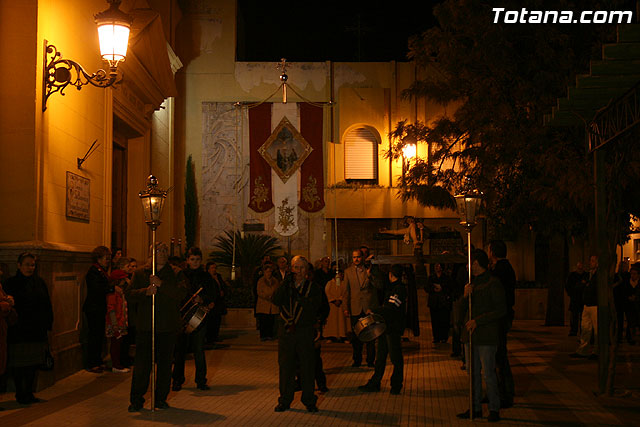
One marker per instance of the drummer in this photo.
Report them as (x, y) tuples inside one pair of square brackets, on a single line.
[(197, 278), (392, 310)]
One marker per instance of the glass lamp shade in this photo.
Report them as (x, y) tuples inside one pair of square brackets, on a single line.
[(468, 206), (113, 32), (152, 201)]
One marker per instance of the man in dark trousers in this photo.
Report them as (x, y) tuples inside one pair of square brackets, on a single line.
[(483, 326), (299, 300), (501, 268), (169, 287), (200, 284), (390, 343), (576, 282)]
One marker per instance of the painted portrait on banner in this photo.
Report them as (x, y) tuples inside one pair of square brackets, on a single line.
[(285, 150)]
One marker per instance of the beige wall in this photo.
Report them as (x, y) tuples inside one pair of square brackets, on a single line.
[(18, 174), (365, 94)]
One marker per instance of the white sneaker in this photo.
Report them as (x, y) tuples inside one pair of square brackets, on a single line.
[(123, 370)]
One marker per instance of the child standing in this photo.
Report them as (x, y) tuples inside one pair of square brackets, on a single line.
[(116, 321)]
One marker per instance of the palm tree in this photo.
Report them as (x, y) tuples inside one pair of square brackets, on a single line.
[(250, 250)]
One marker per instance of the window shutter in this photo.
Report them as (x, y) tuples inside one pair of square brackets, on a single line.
[(361, 155)]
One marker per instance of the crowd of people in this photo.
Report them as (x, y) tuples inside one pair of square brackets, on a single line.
[(582, 289), (297, 303)]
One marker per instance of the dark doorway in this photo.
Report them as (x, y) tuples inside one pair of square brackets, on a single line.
[(119, 195)]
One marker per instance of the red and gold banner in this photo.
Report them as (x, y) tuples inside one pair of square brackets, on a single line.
[(311, 172), (260, 199)]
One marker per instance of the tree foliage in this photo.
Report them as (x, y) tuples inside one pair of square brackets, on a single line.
[(501, 79), (250, 249)]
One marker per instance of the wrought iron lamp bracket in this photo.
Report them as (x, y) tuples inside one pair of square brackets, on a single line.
[(59, 73)]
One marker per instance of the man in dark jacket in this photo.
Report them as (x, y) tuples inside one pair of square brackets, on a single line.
[(502, 269), (197, 279), (576, 283), (169, 287), (299, 300), (488, 309), (390, 343), (95, 306)]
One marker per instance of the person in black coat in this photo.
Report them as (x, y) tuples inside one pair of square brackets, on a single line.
[(502, 269), (439, 290), (29, 336), (197, 278), (299, 300), (95, 306), (214, 318), (390, 343)]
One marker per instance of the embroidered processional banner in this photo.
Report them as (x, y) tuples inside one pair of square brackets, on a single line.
[(260, 197), (293, 153), (312, 171)]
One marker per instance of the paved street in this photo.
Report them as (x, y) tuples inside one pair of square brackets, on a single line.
[(551, 389)]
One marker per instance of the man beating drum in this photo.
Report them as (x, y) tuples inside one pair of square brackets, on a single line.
[(202, 293), (389, 342)]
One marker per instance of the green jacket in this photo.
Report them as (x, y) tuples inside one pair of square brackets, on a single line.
[(171, 292), (488, 306)]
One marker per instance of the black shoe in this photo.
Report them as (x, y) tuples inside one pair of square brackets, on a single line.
[(323, 389), (395, 391), (356, 364), (32, 399), (369, 388), (465, 415), (494, 416), (312, 408), (371, 365), (162, 404), (203, 387), (573, 334), (593, 356), (176, 386), (281, 408), (455, 354), (297, 387), (134, 408), (485, 400), (578, 356)]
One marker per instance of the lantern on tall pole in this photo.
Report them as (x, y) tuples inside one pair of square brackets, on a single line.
[(468, 204), (152, 199)]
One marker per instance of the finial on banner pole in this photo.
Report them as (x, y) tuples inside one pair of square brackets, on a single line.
[(283, 78)]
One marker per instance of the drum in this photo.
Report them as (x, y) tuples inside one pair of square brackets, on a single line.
[(369, 327), (193, 318)]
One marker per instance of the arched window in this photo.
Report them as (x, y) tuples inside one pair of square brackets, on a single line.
[(361, 155)]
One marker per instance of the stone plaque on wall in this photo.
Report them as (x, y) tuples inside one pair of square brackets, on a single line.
[(77, 197)]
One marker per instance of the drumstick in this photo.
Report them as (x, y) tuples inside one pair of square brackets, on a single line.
[(192, 297)]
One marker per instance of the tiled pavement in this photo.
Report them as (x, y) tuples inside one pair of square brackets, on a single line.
[(551, 389)]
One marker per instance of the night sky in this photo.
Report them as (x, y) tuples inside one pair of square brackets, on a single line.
[(329, 30)]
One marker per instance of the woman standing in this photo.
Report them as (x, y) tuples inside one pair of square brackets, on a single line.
[(95, 306), (265, 309), (28, 337)]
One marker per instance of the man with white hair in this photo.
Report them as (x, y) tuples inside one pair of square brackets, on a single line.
[(169, 287), (299, 300)]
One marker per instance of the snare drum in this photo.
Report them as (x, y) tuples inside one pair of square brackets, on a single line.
[(193, 318), (369, 327)]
